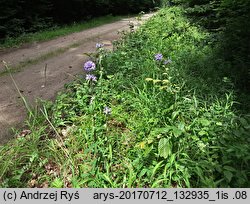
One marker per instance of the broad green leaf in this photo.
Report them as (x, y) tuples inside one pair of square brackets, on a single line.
[(177, 132), (202, 132), (205, 122), (164, 148)]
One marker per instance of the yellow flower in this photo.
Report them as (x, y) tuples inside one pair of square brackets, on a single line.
[(142, 145)]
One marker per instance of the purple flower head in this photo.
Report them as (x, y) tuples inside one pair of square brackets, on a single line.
[(91, 77), (99, 45), (107, 110), (89, 66), (158, 57), (167, 61)]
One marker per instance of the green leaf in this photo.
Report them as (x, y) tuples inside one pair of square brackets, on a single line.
[(157, 166), (158, 131), (177, 132), (57, 183), (164, 148), (228, 175), (244, 122), (229, 168), (106, 177), (175, 114), (156, 81), (172, 159), (155, 184), (110, 76), (219, 124), (202, 132), (205, 122), (142, 173), (149, 79), (181, 126), (165, 81)]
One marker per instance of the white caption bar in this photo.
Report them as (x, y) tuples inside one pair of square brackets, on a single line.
[(112, 196)]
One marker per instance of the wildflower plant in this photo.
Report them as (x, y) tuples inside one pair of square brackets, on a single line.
[(95, 82), (165, 83)]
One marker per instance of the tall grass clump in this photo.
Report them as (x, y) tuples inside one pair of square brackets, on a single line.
[(156, 112)]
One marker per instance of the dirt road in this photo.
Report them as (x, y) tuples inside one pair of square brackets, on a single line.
[(64, 58)]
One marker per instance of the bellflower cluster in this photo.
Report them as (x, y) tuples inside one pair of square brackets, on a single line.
[(89, 66), (158, 57), (91, 77)]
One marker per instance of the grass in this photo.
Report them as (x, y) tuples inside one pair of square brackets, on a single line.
[(56, 32), (172, 123)]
